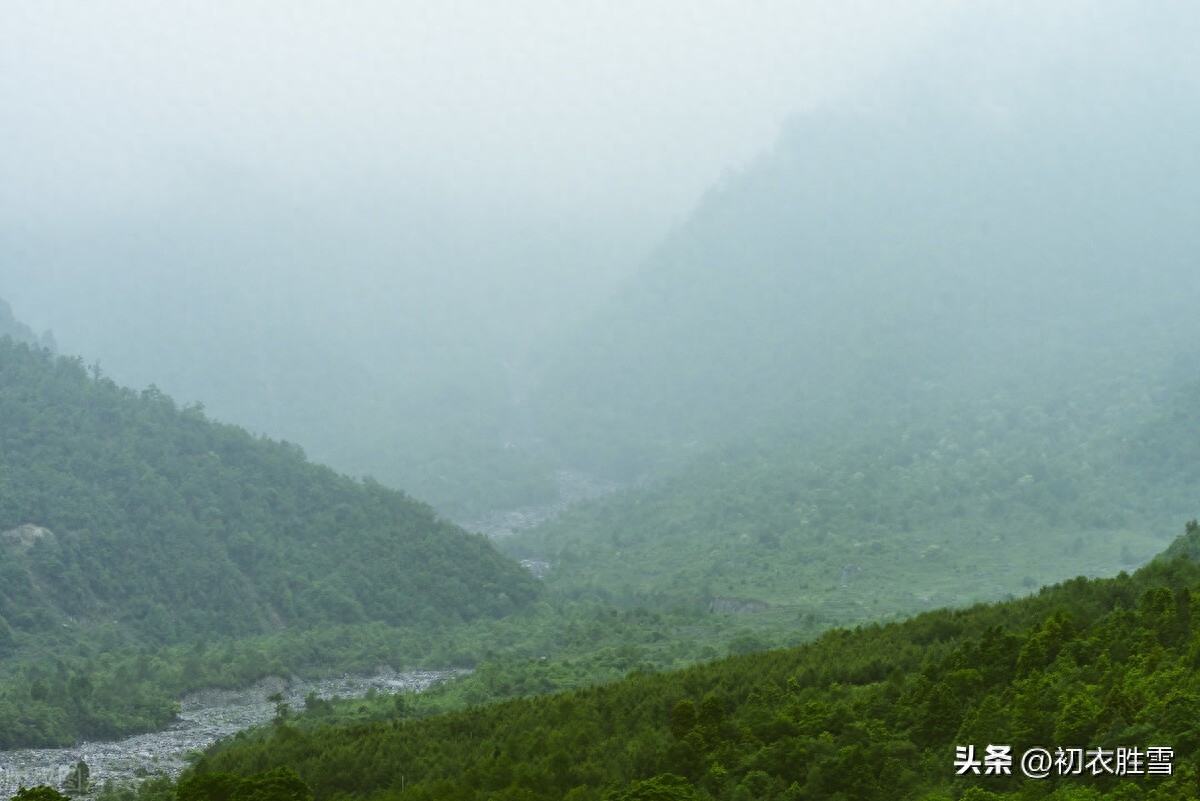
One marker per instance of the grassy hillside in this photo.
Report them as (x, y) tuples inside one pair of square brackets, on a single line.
[(129, 525), (874, 712)]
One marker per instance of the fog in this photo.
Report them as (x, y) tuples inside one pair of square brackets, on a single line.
[(366, 230), (579, 108)]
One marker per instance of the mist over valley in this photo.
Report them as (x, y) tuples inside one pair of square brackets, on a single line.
[(824, 380)]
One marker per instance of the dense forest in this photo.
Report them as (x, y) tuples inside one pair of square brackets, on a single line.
[(870, 713), (129, 525)]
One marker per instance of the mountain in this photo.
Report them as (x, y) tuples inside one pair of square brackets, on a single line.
[(903, 711), (977, 504), (129, 525), (931, 351), (936, 507), (923, 252), (386, 329)]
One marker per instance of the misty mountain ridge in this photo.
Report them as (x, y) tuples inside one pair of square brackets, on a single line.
[(909, 248), (876, 259), (924, 353), (371, 326)]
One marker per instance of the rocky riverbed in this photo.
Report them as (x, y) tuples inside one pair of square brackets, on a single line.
[(204, 718), (207, 716)]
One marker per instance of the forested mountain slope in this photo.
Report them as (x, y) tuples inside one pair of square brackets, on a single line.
[(871, 713), (927, 352), (920, 252), (939, 506), (128, 524)]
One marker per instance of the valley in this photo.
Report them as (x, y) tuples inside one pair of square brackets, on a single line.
[(465, 483)]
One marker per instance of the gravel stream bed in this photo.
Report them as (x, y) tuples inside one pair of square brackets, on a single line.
[(209, 715), (204, 718)]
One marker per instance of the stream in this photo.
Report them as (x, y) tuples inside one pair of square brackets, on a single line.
[(204, 718)]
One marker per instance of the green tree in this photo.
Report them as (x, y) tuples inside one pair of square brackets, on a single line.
[(39, 793), (280, 784), (208, 787), (664, 787), (683, 718)]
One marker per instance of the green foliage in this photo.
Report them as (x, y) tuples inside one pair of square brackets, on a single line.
[(279, 784), (869, 713), (39, 793), (664, 787), (1186, 546), (130, 527), (1166, 447), (208, 787), (937, 507)]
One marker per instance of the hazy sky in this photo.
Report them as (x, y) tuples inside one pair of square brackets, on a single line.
[(592, 106), (272, 136), (188, 186), (601, 107)]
